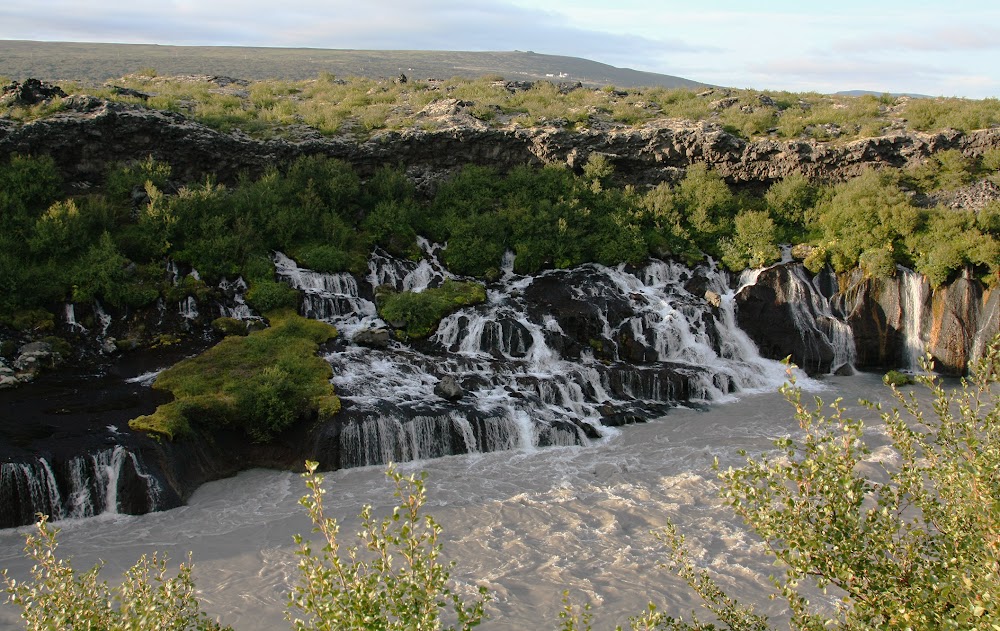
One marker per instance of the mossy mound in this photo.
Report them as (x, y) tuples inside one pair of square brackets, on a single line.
[(417, 314), (263, 382)]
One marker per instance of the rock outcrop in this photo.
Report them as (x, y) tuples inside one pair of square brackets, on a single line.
[(89, 134), (892, 322)]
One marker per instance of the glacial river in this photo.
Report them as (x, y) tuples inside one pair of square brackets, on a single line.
[(527, 524)]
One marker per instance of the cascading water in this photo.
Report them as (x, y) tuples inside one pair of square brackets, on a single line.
[(817, 323), (69, 314), (108, 481), (103, 317), (553, 359), (914, 303)]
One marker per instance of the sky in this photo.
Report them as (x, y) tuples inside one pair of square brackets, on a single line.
[(937, 48)]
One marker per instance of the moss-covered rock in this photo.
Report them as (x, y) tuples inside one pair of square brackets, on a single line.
[(262, 383), (417, 314)]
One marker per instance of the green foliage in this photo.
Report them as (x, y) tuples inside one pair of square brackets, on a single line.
[(268, 295), (944, 170), (954, 239), (104, 274), (897, 379), (790, 201), (126, 180), (392, 579), (420, 312), (229, 326), (57, 597), (754, 244), (907, 541), (868, 212), (262, 383), (961, 114)]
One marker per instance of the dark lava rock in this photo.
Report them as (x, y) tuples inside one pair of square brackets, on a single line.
[(372, 338), (449, 388), (31, 92)]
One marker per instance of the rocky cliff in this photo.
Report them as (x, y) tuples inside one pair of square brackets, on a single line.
[(90, 134), (828, 324)]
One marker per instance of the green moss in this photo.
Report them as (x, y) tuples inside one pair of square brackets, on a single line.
[(418, 314), (30, 320), (229, 326), (262, 383), (896, 378)]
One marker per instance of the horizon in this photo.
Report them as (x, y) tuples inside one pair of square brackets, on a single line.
[(893, 47)]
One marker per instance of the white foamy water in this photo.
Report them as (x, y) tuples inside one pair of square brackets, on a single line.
[(526, 524)]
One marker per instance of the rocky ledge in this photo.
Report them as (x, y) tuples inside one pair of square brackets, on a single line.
[(89, 134)]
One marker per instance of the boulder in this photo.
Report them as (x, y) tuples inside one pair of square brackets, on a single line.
[(449, 388), (713, 298), (372, 338), (31, 92)]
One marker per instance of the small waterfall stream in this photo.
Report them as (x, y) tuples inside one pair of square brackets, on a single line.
[(914, 304)]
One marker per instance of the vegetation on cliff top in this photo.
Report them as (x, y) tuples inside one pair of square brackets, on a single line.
[(262, 383), (362, 106)]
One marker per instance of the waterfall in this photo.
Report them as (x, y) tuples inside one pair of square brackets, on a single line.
[(237, 307), (328, 297), (913, 301), (69, 314), (108, 481), (103, 317), (817, 323), (533, 374), (188, 308), (28, 488)]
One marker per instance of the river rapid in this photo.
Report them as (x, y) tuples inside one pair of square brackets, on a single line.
[(527, 524)]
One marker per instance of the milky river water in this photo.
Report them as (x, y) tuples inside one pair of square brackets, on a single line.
[(527, 525)]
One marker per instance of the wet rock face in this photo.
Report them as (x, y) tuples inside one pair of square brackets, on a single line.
[(893, 321), (769, 313), (449, 389)]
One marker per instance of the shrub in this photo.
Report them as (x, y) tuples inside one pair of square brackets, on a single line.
[(391, 579), (912, 546), (57, 597), (420, 312), (754, 244), (896, 379), (269, 295)]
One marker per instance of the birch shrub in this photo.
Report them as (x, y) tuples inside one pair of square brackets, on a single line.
[(912, 544), (392, 579), (57, 597)]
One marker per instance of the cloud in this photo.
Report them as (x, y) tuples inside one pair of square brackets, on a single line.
[(375, 24), (943, 39)]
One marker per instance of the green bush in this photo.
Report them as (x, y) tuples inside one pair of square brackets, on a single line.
[(57, 597), (754, 244), (391, 579), (911, 546), (897, 379), (268, 295), (868, 212), (420, 312)]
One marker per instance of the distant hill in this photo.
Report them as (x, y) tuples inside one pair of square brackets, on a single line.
[(97, 63), (874, 93)]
